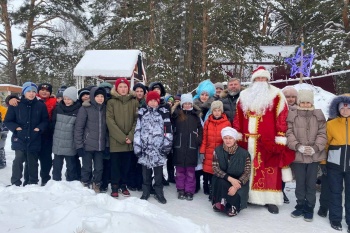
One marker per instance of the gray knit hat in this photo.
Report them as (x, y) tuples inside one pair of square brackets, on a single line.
[(71, 93), (217, 104), (219, 85), (186, 98), (306, 96)]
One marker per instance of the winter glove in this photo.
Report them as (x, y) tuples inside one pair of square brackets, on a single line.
[(80, 152), (309, 150), (301, 149), (323, 169)]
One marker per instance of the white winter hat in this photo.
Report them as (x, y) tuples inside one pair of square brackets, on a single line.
[(260, 72), (229, 131), (306, 96), (71, 93), (186, 98)]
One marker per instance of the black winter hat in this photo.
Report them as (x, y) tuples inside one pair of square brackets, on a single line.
[(83, 91), (139, 85), (46, 86)]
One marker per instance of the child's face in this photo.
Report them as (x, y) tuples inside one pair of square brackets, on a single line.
[(157, 90), (153, 103), (217, 113), (345, 112), (30, 95), (139, 93), (67, 101), (85, 97), (204, 97), (291, 100), (123, 89), (99, 98), (59, 99), (186, 106), (305, 104)]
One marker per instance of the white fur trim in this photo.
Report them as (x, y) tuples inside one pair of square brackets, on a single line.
[(287, 175), (265, 197), (252, 124), (239, 137), (261, 73), (280, 140)]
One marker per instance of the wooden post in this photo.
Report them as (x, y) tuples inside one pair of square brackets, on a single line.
[(301, 59)]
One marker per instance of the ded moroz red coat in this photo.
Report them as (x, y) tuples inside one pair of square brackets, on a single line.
[(212, 139), (264, 137)]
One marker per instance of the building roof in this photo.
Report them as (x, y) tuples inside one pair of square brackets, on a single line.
[(107, 63)]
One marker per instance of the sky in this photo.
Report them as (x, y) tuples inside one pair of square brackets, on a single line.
[(69, 207)]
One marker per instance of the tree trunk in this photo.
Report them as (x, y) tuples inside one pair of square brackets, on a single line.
[(190, 36), (205, 36), (345, 15), (7, 36), (266, 19), (182, 47), (151, 30)]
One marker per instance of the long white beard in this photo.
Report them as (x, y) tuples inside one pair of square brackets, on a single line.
[(257, 98)]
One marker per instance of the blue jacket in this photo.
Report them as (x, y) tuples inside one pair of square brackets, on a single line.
[(29, 114)]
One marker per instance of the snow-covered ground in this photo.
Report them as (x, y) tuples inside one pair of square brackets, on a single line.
[(68, 207)]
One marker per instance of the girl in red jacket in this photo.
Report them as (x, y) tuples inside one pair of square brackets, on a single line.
[(211, 139)]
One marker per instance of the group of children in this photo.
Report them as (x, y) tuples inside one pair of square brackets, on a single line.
[(142, 133)]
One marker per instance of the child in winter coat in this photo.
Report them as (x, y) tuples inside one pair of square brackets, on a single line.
[(203, 99), (306, 135), (121, 122), (187, 139), (152, 143), (27, 121), (217, 120), (90, 136), (63, 120), (338, 168)]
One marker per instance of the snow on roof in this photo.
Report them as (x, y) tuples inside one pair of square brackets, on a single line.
[(107, 63), (275, 51)]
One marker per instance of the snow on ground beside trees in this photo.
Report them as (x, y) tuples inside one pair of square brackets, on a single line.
[(68, 207)]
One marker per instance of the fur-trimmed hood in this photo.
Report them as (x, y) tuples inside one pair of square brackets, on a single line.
[(177, 107), (333, 107), (162, 89)]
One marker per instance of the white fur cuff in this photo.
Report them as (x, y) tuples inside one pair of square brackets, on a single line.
[(280, 140), (287, 175), (239, 137)]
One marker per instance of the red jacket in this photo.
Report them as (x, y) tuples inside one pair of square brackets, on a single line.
[(212, 139), (50, 104)]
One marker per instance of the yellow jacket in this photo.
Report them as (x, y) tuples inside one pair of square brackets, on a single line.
[(3, 111)]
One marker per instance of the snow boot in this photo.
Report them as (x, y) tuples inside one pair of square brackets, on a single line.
[(299, 210), (189, 196), (273, 209), (322, 212), (96, 187), (181, 194), (231, 211), (114, 192), (145, 192), (160, 198), (308, 213), (336, 225), (124, 191)]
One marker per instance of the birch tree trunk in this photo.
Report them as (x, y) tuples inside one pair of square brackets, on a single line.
[(182, 47), (205, 36)]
